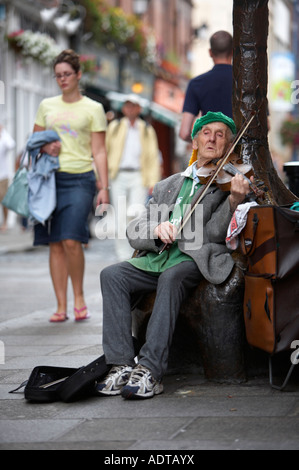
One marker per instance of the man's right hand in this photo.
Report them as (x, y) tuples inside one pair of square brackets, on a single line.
[(166, 231)]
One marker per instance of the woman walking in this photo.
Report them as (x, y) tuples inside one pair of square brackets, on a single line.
[(81, 125)]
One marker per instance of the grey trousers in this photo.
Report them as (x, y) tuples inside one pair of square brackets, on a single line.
[(118, 283)]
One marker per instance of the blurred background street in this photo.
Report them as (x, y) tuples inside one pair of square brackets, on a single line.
[(124, 48)]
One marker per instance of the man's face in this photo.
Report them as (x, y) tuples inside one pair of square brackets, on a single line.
[(212, 141), (131, 110)]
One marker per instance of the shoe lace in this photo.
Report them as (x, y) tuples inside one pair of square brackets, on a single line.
[(138, 373), (116, 369)]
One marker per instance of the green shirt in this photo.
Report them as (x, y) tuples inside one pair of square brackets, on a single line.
[(156, 263)]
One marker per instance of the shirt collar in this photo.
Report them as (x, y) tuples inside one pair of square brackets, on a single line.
[(132, 126), (191, 172)]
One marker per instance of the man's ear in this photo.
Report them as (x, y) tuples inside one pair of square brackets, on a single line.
[(194, 144)]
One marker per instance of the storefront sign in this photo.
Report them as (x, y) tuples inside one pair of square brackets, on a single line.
[(106, 71), (282, 77), (134, 79), (168, 95)]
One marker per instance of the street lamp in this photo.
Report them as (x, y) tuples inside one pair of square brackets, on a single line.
[(140, 6), (67, 16), (47, 14), (201, 31), (61, 21), (75, 22)]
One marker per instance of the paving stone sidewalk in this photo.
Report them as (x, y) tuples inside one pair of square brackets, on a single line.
[(191, 415)]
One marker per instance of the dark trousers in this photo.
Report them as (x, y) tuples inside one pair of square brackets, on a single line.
[(119, 282)]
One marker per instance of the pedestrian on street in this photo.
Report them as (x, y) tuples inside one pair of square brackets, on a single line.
[(6, 144), (211, 91), (81, 126), (191, 257), (134, 166)]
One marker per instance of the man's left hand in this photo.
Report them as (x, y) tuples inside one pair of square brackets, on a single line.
[(238, 190)]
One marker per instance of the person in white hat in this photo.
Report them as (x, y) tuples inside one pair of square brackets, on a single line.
[(134, 167)]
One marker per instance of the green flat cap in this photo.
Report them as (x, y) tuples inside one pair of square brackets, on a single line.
[(213, 117)]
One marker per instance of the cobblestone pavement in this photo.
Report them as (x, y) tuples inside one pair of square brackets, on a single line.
[(192, 414)]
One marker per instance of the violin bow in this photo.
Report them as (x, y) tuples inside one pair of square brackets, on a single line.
[(201, 194)]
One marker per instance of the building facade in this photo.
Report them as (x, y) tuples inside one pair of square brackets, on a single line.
[(124, 46), (150, 47), (283, 59)]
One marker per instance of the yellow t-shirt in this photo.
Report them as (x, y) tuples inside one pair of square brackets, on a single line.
[(74, 123)]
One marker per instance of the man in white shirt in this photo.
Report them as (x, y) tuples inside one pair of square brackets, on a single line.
[(134, 168), (6, 144)]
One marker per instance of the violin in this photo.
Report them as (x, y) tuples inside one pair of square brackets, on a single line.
[(223, 178), (225, 160)]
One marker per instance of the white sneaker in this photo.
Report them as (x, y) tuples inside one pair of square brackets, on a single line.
[(114, 381), (141, 384)]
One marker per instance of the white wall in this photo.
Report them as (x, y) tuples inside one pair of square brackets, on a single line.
[(217, 15)]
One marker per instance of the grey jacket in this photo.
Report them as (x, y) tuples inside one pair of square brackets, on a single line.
[(203, 237)]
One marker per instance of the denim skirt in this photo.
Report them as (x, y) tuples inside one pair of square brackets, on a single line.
[(74, 202)]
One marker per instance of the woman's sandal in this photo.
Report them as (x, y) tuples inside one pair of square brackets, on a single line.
[(58, 317), (78, 311)]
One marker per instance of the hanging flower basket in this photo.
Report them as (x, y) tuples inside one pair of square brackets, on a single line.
[(14, 42), (88, 64), (110, 25), (39, 46)]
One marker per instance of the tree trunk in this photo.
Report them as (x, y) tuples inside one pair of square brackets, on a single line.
[(250, 71), (210, 329)]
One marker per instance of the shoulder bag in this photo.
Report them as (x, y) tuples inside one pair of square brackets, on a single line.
[(16, 197)]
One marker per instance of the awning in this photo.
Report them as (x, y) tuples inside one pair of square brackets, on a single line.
[(158, 112), (164, 115)]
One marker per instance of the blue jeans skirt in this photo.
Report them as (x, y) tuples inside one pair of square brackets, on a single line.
[(69, 221)]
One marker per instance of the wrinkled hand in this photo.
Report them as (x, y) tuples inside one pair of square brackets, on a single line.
[(53, 148), (238, 190), (166, 231)]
